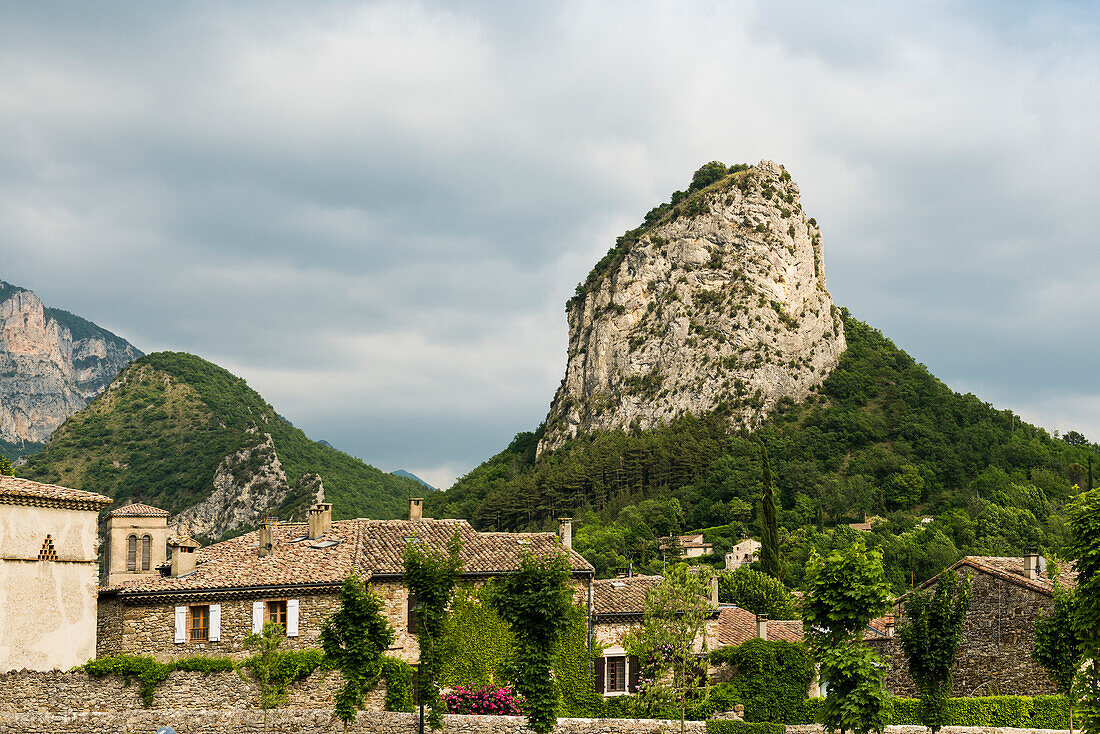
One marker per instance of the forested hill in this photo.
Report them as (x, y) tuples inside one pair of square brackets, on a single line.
[(178, 432), (881, 437)]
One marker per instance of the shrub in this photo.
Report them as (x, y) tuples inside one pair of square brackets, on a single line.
[(490, 699), (732, 726), (1040, 712), (398, 676), (773, 678)]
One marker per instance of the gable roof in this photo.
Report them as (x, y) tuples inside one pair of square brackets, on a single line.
[(137, 509), (370, 548), (18, 491), (625, 596), (737, 625), (1011, 569)]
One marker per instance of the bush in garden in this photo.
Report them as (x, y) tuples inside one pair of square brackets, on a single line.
[(490, 699)]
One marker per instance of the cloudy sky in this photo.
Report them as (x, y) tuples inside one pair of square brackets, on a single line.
[(374, 212)]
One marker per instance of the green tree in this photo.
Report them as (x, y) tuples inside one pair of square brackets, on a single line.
[(757, 592), (6, 468), (431, 576), (1084, 545), (904, 487), (536, 601), (847, 590), (1057, 643), (671, 638), (354, 639), (930, 640), (770, 562), (707, 174)]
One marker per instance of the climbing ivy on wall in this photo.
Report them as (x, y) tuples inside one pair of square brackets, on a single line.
[(773, 678)]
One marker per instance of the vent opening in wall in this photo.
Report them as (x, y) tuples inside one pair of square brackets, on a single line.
[(48, 552)]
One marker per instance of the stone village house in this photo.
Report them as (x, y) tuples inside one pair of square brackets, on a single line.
[(206, 600), (48, 570), (1008, 595)]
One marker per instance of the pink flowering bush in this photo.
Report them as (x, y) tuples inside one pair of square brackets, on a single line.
[(490, 699)]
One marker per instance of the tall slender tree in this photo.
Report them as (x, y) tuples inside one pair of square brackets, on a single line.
[(930, 639), (1056, 645), (770, 561)]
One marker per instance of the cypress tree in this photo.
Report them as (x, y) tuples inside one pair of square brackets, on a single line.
[(770, 563)]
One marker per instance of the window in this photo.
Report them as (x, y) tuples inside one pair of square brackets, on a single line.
[(131, 553), (275, 611), (198, 630), (146, 552), (411, 622), (616, 675)]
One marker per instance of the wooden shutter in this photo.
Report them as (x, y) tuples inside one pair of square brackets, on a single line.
[(291, 617), (257, 617), (601, 666), (131, 553), (632, 674), (215, 622), (181, 624), (146, 552)]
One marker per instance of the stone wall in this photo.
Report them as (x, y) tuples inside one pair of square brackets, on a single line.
[(998, 636), (290, 721), (24, 692)]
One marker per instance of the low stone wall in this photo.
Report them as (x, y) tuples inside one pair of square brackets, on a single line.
[(24, 692), (197, 721)]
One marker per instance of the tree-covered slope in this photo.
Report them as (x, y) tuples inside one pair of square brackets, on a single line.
[(882, 436), (162, 428)]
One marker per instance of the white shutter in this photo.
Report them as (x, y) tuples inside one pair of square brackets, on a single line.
[(215, 622), (181, 624), (257, 617), (291, 617)]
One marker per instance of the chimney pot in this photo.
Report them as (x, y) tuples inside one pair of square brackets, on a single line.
[(1031, 565), (762, 626), (565, 532), (183, 556), (416, 508), (320, 519), (714, 591), (889, 626), (267, 536)]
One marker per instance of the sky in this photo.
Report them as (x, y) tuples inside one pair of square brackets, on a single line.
[(375, 212)]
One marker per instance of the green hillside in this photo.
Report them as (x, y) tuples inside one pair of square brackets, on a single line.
[(158, 432), (882, 437)]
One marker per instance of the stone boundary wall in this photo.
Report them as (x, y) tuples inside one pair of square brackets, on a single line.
[(288, 721), (29, 692)]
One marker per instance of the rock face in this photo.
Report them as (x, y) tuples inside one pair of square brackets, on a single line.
[(247, 485), (717, 303), (51, 364)]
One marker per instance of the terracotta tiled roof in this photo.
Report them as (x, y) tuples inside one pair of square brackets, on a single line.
[(1011, 568), (137, 509), (14, 490), (621, 596), (367, 547), (737, 625)]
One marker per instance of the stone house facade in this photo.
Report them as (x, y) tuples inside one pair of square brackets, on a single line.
[(209, 600), (1008, 595), (48, 569)]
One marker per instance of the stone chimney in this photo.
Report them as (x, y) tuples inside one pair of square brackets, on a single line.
[(714, 591), (183, 556), (762, 626), (416, 508), (320, 519), (1031, 565), (889, 626), (565, 532), (267, 536)]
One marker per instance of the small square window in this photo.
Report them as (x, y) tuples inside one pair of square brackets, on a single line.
[(275, 611), (198, 630), (616, 675)]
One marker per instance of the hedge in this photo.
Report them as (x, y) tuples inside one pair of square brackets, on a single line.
[(1026, 712), (733, 726)]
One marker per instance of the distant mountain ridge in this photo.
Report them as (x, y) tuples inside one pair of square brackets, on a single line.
[(410, 475), (178, 432), (52, 363)]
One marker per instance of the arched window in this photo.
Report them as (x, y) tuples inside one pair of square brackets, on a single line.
[(146, 552), (131, 553)]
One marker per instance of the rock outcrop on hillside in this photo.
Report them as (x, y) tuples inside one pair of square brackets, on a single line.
[(718, 302), (48, 372)]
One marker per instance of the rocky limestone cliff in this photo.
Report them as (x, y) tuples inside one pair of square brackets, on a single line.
[(51, 364), (717, 302), (248, 484)]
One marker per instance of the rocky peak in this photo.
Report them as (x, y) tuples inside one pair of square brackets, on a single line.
[(51, 364), (717, 302)]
